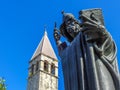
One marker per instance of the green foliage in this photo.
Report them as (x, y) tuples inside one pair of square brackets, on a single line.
[(2, 84)]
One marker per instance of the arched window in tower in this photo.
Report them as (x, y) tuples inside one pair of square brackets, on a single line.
[(46, 66), (53, 69), (32, 69), (37, 66)]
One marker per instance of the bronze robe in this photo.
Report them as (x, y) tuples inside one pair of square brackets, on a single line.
[(86, 67)]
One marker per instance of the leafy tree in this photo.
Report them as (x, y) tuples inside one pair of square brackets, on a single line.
[(2, 84)]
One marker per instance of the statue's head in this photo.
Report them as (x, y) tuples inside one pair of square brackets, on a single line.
[(67, 17), (70, 26)]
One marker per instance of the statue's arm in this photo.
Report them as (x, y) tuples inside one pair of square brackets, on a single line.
[(101, 39), (61, 45)]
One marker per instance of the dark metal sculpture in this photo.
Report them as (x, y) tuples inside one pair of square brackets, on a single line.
[(89, 62)]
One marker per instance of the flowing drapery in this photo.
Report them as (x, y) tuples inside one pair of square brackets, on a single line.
[(86, 67)]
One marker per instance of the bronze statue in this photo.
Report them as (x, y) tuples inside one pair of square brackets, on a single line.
[(89, 61)]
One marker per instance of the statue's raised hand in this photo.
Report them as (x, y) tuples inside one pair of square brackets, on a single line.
[(56, 35)]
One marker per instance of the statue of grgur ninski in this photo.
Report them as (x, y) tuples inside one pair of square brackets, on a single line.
[(89, 60)]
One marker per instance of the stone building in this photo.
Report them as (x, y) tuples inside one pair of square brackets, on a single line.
[(43, 67)]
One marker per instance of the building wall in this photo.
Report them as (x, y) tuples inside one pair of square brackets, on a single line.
[(33, 82), (40, 79), (48, 82)]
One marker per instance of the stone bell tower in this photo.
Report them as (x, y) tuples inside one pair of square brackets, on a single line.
[(43, 67)]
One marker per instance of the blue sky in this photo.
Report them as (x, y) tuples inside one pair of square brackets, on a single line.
[(22, 27)]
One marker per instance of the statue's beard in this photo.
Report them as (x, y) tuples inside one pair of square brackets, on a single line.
[(73, 31)]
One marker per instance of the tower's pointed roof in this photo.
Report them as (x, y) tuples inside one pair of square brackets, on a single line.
[(45, 48)]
